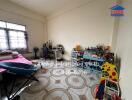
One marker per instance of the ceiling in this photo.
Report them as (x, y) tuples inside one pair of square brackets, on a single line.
[(44, 7)]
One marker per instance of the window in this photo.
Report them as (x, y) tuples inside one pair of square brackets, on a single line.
[(3, 39), (12, 36), (2, 24), (15, 27), (17, 39)]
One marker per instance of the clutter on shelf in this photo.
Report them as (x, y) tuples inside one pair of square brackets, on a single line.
[(100, 60), (92, 57), (53, 52), (77, 56)]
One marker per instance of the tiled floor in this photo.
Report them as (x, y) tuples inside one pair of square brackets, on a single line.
[(62, 81)]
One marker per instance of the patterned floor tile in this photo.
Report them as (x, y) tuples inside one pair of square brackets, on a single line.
[(61, 81), (75, 81), (58, 72), (53, 84), (74, 95), (32, 96), (38, 86), (44, 74), (78, 91), (82, 97), (69, 71), (58, 94), (88, 94), (57, 81)]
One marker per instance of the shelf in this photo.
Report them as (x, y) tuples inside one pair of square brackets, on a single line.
[(95, 65), (92, 58)]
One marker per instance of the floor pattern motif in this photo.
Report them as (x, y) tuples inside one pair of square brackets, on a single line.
[(61, 81)]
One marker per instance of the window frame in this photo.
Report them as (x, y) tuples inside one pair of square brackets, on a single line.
[(8, 37)]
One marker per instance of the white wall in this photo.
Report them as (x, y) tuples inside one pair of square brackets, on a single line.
[(124, 50), (88, 25), (35, 23)]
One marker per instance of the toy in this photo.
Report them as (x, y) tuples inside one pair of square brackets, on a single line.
[(109, 57), (115, 97), (78, 48), (109, 71), (108, 89), (100, 92), (108, 82), (111, 90)]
